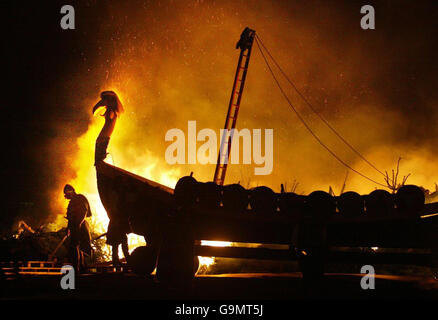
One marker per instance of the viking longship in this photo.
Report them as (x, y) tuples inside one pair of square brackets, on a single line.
[(313, 229)]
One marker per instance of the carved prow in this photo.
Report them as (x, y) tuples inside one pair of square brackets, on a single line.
[(128, 198), (114, 108)]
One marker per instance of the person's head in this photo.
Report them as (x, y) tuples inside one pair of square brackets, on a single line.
[(69, 191)]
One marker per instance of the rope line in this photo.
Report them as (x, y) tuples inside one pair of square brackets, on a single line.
[(307, 126), (317, 113)]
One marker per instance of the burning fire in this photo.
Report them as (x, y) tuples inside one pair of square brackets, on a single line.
[(206, 262), (145, 165), (167, 76)]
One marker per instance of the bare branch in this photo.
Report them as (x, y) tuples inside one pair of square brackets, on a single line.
[(392, 183)]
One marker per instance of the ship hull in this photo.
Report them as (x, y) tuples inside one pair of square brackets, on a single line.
[(133, 200)]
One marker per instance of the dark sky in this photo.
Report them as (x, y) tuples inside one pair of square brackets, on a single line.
[(39, 55), (39, 58)]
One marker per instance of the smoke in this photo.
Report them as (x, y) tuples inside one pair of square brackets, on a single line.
[(174, 61)]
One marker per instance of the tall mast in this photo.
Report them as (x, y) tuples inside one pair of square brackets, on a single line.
[(245, 46)]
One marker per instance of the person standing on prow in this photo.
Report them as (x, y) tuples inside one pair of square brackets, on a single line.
[(77, 229)]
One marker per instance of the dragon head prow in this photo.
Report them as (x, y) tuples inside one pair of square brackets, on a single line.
[(113, 108), (110, 101)]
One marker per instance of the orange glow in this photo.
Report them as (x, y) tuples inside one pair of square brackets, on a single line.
[(85, 181), (206, 262), (168, 69)]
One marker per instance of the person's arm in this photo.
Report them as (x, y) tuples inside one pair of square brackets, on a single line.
[(69, 217)]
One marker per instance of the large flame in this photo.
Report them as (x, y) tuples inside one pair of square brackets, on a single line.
[(172, 62), (85, 183)]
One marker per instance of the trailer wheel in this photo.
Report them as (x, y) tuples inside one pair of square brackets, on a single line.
[(351, 204), (291, 205), (235, 198), (209, 195), (143, 260), (410, 200), (263, 200), (186, 191), (319, 206), (379, 203)]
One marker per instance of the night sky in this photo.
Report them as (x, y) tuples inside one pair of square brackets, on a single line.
[(40, 61), (39, 56)]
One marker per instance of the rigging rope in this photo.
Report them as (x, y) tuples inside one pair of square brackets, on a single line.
[(314, 111), (306, 125)]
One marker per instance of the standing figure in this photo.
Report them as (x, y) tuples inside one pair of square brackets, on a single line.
[(78, 231)]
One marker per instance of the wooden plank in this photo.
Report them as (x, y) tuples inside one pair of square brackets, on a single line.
[(238, 229), (40, 273), (111, 170), (245, 253), (430, 208), (350, 257), (390, 231)]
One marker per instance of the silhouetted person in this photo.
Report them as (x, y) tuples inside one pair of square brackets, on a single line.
[(80, 240)]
